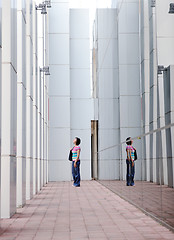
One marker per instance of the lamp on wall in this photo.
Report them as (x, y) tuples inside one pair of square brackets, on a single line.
[(42, 7), (46, 70), (153, 3), (48, 3), (161, 69), (171, 8)]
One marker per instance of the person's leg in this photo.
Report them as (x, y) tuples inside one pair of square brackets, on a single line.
[(128, 173), (132, 174), (77, 175), (73, 171)]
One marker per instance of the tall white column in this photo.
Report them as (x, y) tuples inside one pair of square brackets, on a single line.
[(40, 90), (163, 161), (0, 92), (9, 118), (129, 74), (39, 133), (29, 102), (80, 85), (35, 107), (172, 116), (45, 100), (108, 94), (145, 81), (165, 48), (21, 106), (59, 91), (42, 126), (153, 91), (47, 172)]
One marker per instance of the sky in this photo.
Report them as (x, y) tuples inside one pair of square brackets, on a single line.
[(90, 3)]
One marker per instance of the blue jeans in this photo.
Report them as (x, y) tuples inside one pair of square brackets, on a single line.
[(76, 173), (130, 173)]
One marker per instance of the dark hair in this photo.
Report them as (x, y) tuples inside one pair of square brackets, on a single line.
[(78, 141), (128, 141)]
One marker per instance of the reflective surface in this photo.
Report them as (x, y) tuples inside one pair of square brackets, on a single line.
[(154, 197)]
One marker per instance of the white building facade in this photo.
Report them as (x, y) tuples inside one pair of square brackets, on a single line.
[(70, 107), (116, 44), (128, 94), (22, 174), (40, 115)]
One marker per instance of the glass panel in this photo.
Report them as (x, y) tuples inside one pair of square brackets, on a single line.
[(150, 193)]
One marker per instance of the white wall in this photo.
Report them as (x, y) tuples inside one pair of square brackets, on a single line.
[(21, 104), (165, 48), (145, 82), (9, 104), (39, 99), (156, 49), (118, 80), (59, 92), (29, 100), (69, 89), (46, 86), (169, 118), (108, 104), (81, 107), (129, 77), (35, 95), (0, 88)]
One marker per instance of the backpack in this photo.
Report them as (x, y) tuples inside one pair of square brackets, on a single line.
[(70, 155), (135, 154)]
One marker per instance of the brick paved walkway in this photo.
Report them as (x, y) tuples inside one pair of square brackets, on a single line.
[(157, 200), (62, 212)]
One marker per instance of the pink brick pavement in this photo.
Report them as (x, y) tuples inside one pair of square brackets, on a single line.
[(62, 212)]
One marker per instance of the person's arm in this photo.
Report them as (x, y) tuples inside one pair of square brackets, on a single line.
[(128, 154), (78, 154), (131, 158)]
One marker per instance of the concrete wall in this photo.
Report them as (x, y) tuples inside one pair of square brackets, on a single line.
[(129, 77), (108, 92), (19, 106), (69, 89), (118, 80), (0, 87), (145, 83), (80, 89), (9, 104), (169, 103), (59, 92), (156, 49), (165, 48), (29, 100), (35, 105), (42, 48)]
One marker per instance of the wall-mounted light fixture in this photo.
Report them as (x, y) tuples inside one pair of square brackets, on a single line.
[(171, 8), (46, 70), (161, 69), (48, 3), (42, 7), (153, 3)]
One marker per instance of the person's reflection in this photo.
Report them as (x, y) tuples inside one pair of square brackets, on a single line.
[(130, 162)]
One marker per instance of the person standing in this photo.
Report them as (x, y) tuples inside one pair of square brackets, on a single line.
[(76, 162), (130, 162)]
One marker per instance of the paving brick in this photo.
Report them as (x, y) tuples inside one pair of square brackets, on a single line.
[(91, 212)]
